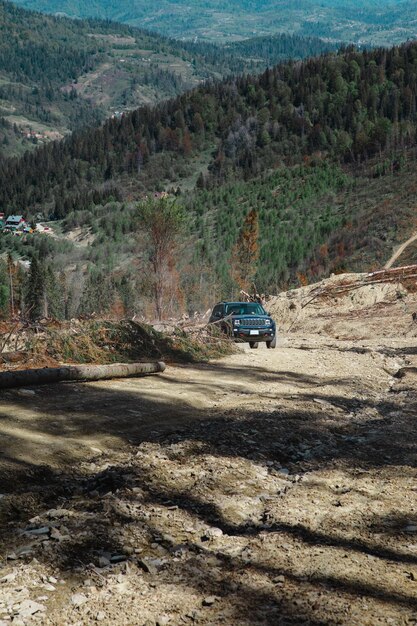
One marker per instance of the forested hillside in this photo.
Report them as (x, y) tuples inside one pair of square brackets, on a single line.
[(350, 107), (378, 23), (57, 75), (322, 153)]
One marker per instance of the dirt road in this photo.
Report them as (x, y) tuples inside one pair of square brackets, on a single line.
[(273, 487), (400, 250)]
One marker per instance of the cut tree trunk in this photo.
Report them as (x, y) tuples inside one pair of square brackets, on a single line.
[(49, 375)]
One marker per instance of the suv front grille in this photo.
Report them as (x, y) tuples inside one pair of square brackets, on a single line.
[(253, 322)]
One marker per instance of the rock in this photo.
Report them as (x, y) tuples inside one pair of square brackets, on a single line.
[(180, 549), (78, 599), (44, 530), (212, 561), (24, 551), (100, 616), (55, 534), (26, 393), (118, 558), (148, 566), (8, 578), (192, 615), (29, 607), (58, 513), (279, 580), (209, 601), (167, 540), (103, 562), (284, 471), (162, 620), (213, 533)]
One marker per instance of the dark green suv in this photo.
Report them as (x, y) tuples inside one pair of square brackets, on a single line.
[(245, 321)]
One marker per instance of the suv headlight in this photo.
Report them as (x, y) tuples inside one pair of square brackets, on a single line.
[(236, 322), (268, 322)]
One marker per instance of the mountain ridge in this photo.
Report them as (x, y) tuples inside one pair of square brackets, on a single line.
[(367, 22), (352, 105)]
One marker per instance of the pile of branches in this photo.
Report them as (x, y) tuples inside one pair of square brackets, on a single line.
[(49, 342), (406, 276), (261, 298)]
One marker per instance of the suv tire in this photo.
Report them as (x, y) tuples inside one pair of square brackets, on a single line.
[(254, 345), (272, 343)]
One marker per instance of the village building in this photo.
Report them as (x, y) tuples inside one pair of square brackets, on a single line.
[(15, 222)]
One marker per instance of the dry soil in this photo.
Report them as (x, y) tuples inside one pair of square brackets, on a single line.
[(272, 487)]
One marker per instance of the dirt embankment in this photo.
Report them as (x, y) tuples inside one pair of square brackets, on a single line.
[(273, 487), (352, 306)]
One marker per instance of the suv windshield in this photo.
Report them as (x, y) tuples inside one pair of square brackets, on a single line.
[(244, 308)]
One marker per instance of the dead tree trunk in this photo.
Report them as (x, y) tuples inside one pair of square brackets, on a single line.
[(49, 375)]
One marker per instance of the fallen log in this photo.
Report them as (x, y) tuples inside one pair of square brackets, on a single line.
[(44, 376)]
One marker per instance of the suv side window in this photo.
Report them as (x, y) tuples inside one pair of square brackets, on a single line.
[(218, 311)]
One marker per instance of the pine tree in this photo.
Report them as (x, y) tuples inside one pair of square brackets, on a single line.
[(55, 294), (36, 290), (11, 272)]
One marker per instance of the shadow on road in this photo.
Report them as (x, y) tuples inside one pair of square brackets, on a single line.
[(254, 568)]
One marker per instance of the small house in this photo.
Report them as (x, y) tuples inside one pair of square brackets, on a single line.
[(15, 222)]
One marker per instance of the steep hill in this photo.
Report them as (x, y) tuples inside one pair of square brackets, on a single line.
[(324, 151), (314, 220), (57, 75), (380, 23), (351, 106)]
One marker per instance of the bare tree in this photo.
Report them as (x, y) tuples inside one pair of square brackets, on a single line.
[(245, 252), (162, 220)]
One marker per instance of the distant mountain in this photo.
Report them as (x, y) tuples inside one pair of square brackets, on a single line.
[(58, 74), (368, 21)]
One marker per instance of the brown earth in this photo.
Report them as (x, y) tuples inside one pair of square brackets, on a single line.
[(271, 487)]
